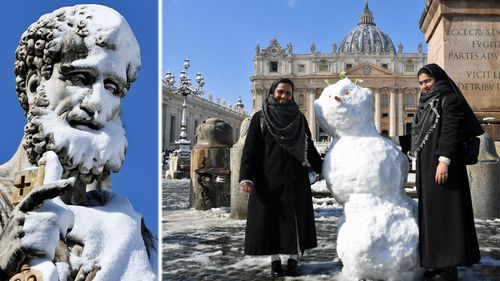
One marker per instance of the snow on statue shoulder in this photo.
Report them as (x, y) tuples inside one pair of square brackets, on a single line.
[(366, 173)]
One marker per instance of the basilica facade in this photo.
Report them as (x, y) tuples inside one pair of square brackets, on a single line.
[(366, 53)]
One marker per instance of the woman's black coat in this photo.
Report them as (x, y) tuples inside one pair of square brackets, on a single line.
[(281, 201), (446, 220)]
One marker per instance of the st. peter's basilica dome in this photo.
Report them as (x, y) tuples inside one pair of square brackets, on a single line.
[(366, 37)]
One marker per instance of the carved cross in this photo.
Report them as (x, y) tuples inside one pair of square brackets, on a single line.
[(22, 185), (24, 182)]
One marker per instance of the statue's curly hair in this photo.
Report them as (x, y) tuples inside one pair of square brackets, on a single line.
[(39, 49), (42, 43)]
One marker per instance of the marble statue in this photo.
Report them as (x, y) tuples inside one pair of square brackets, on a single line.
[(289, 47), (334, 48), (366, 173), (73, 67), (313, 48)]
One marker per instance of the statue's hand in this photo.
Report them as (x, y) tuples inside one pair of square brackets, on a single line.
[(35, 226)]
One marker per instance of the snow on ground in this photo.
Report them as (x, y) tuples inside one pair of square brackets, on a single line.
[(208, 245)]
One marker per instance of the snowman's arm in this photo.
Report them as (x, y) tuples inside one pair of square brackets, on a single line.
[(251, 149)]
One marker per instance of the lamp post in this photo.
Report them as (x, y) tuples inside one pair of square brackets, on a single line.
[(184, 88)]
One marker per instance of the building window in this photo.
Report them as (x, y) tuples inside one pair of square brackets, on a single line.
[(273, 66), (195, 127), (407, 128), (348, 66), (172, 129), (410, 99), (301, 68), (385, 65), (323, 67), (410, 115), (385, 101), (409, 68), (385, 114)]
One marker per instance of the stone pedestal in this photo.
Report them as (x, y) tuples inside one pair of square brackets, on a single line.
[(239, 198), (463, 37), (178, 167), (484, 180), (210, 159)]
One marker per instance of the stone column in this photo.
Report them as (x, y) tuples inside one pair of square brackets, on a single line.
[(259, 99), (484, 179), (239, 198), (165, 123), (377, 109), (401, 119), (312, 115), (210, 165), (392, 113)]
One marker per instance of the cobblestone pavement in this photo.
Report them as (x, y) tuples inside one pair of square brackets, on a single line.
[(208, 245)]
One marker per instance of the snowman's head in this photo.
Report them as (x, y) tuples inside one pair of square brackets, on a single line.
[(345, 107)]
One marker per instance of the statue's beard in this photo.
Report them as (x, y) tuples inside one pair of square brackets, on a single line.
[(86, 154)]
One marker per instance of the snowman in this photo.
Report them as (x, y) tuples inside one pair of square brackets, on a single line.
[(366, 173)]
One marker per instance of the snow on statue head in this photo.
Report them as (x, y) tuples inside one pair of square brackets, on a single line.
[(73, 66), (366, 173)]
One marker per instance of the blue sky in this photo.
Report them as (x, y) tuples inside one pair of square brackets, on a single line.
[(219, 36), (138, 179)]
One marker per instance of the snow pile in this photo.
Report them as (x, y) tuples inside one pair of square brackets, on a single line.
[(319, 187), (110, 235), (44, 225), (112, 240), (367, 173)]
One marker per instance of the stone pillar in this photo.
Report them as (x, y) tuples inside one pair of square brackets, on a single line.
[(484, 180), (239, 198), (401, 119), (210, 160), (463, 37), (312, 115), (392, 113), (377, 109), (261, 94)]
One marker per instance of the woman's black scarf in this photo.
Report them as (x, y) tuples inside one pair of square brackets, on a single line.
[(288, 126), (427, 117)]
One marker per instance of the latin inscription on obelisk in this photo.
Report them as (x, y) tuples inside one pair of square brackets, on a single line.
[(472, 59), (463, 37)]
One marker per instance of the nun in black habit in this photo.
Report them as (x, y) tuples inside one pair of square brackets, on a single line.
[(446, 221), (274, 170)]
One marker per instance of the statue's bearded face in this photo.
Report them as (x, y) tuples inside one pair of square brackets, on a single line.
[(80, 119), (71, 82)]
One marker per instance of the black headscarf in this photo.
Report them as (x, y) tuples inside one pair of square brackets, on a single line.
[(286, 123), (428, 113)]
